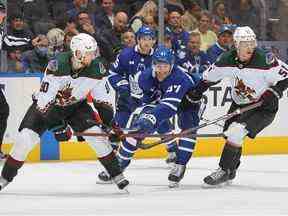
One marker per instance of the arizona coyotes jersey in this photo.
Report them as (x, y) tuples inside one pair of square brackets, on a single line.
[(248, 81), (61, 86)]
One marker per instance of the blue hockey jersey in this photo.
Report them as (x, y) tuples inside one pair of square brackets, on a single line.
[(125, 71), (179, 40), (173, 90)]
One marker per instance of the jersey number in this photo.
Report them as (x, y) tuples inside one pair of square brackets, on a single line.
[(174, 88), (44, 87)]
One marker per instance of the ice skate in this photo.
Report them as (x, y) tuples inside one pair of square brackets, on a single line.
[(219, 178), (104, 178), (3, 183), (175, 175), (121, 182)]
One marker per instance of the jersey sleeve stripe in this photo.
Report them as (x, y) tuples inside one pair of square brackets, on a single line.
[(170, 105)]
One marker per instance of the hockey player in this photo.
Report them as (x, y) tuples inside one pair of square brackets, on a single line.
[(173, 84), (255, 75), (124, 75), (62, 97)]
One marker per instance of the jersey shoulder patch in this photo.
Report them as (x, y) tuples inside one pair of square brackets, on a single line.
[(270, 58), (52, 66)]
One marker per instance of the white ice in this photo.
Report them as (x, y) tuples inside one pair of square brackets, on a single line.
[(69, 188)]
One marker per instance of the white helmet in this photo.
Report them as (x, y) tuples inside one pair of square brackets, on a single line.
[(82, 44), (244, 33)]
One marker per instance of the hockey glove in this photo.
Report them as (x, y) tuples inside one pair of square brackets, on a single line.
[(62, 133), (270, 99), (117, 134)]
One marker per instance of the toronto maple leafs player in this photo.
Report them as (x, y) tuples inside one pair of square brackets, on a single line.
[(62, 97), (255, 75), (124, 76), (174, 85)]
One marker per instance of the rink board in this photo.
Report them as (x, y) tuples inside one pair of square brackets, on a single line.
[(205, 147), (19, 88)]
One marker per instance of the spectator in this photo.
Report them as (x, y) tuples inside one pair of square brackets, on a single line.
[(14, 61), (168, 37), (179, 36), (85, 26), (67, 39), (36, 60), (128, 39), (192, 58), (113, 36), (150, 22), (148, 9), (208, 37), (219, 13), (17, 36), (190, 19), (105, 16), (81, 5), (173, 5), (223, 44), (280, 32), (55, 39)]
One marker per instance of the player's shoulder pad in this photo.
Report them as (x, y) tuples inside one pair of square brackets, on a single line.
[(126, 52), (264, 59)]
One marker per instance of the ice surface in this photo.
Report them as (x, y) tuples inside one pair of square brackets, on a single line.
[(69, 188)]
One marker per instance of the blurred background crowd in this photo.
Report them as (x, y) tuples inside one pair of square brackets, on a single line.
[(34, 31)]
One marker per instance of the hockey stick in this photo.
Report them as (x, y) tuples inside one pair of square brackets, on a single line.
[(189, 132), (141, 135)]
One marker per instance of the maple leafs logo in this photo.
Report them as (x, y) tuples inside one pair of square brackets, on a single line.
[(244, 91)]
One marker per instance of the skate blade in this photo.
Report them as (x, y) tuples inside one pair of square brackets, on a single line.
[(104, 182), (124, 191), (173, 185), (221, 185)]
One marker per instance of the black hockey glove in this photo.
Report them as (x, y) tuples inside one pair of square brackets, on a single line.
[(62, 133), (270, 99)]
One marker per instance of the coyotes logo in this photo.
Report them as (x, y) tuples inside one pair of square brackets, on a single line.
[(243, 91), (64, 96)]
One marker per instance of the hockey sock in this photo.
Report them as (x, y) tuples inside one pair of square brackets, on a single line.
[(230, 158), (172, 146), (185, 150), (126, 151), (11, 168), (111, 164)]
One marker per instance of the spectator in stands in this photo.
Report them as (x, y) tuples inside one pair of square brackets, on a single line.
[(190, 19), (36, 60), (81, 5), (179, 36), (55, 42), (208, 37), (36, 15), (17, 36), (67, 39), (128, 38), (173, 5), (84, 25), (14, 63), (150, 22), (113, 36), (148, 9), (105, 15), (192, 58), (223, 44), (219, 12), (280, 32)]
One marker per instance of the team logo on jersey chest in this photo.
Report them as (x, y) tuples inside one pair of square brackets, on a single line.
[(243, 90)]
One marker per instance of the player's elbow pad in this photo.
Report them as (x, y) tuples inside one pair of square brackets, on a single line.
[(280, 87), (105, 111)]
